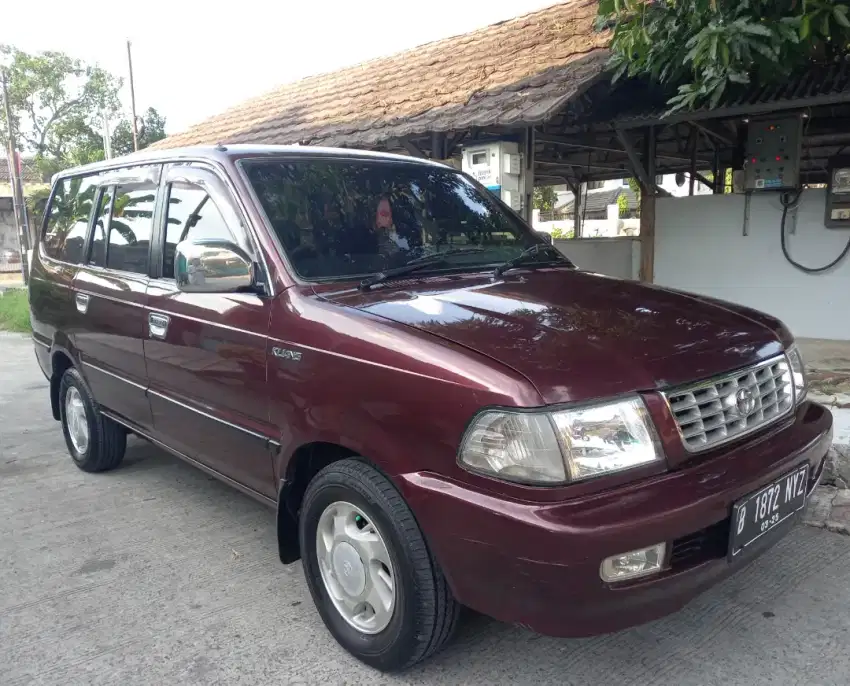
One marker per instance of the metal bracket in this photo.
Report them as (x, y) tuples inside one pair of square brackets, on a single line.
[(748, 196)]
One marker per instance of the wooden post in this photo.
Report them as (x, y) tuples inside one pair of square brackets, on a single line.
[(577, 209), (647, 211)]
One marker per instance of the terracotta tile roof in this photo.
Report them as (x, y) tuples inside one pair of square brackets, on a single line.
[(519, 70), (29, 171), (596, 202)]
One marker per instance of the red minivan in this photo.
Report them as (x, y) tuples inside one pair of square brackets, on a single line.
[(443, 409)]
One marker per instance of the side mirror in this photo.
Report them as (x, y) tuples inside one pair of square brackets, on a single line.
[(213, 266), (546, 236)]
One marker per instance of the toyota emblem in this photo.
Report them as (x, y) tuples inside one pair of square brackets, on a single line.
[(745, 401)]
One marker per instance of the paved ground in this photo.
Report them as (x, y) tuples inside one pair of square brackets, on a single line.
[(155, 574)]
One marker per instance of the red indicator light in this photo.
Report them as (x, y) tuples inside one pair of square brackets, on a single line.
[(779, 158), (754, 160)]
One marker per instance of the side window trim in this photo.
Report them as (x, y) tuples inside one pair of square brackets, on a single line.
[(220, 196), (149, 173), (87, 249)]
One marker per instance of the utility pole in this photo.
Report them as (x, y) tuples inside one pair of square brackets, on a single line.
[(107, 136), (132, 98), (17, 187)]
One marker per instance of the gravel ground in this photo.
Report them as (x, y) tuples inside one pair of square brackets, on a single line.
[(157, 574)]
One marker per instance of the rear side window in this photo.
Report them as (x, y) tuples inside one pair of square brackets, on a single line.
[(192, 215), (130, 227), (68, 220)]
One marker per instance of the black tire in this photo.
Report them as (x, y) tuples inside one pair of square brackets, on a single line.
[(107, 440), (425, 614)]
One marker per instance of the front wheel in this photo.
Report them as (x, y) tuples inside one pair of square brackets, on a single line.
[(373, 579)]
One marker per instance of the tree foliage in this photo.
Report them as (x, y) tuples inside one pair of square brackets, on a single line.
[(545, 198), (151, 128), (58, 104), (705, 48), (56, 100)]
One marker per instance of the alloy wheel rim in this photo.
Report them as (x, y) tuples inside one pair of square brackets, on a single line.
[(75, 416), (355, 567)]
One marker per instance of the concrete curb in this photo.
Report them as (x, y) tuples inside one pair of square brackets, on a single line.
[(829, 508)]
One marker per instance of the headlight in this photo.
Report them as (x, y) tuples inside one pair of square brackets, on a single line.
[(798, 372), (514, 446), (607, 438), (564, 446)]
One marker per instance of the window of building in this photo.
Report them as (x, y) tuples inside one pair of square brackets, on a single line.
[(130, 227), (192, 215), (68, 220)]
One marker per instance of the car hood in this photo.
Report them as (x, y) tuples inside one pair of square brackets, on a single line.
[(579, 336)]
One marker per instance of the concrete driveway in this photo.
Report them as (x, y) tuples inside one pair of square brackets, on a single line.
[(157, 574)]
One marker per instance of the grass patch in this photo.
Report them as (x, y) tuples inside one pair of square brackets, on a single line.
[(14, 310)]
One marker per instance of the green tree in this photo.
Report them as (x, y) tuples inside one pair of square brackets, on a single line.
[(57, 101), (704, 48), (622, 205), (151, 128), (545, 198)]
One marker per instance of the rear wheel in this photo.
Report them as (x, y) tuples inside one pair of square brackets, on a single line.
[(95, 442), (375, 583)]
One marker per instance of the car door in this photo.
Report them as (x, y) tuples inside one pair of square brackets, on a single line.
[(110, 291), (206, 352)]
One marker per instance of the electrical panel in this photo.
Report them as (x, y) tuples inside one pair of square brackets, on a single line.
[(498, 166), (838, 194), (773, 154)]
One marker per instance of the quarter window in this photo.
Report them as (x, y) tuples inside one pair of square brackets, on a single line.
[(130, 227), (67, 223), (192, 215)]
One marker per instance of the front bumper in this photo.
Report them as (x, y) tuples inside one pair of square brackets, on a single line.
[(537, 564)]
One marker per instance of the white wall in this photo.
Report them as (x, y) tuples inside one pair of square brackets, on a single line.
[(699, 247), (618, 257)]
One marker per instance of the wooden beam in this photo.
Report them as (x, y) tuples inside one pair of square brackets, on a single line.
[(438, 146), (647, 213), (453, 142), (710, 130), (693, 140), (413, 149), (558, 140), (647, 181), (703, 180)]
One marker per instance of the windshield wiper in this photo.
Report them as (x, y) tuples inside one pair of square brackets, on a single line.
[(523, 257), (413, 265)]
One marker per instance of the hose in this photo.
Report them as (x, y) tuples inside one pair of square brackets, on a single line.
[(790, 201)]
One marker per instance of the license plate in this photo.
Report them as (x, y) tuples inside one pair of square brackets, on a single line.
[(759, 512)]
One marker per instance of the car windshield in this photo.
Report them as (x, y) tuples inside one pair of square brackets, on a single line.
[(341, 219)]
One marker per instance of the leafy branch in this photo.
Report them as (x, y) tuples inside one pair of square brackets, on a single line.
[(705, 48)]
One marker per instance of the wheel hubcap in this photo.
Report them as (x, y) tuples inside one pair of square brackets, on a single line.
[(355, 567), (75, 416)]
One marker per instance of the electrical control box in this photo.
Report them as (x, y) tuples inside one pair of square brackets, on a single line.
[(497, 166), (773, 154), (838, 194)]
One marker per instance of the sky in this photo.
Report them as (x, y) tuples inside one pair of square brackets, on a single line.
[(192, 60)]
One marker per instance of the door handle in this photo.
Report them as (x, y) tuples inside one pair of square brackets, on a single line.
[(158, 325), (82, 301)]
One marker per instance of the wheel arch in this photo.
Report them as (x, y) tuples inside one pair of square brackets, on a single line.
[(307, 461)]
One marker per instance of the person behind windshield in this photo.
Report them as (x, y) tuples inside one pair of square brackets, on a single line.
[(390, 242)]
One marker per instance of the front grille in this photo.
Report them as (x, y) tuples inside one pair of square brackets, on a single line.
[(724, 408), (707, 544)]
